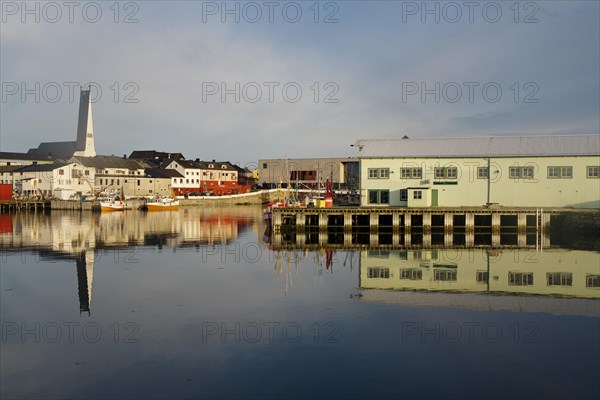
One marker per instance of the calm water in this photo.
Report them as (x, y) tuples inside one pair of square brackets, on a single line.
[(196, 304)]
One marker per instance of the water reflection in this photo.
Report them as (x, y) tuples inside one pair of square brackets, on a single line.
[(154, 282), (83, 237)]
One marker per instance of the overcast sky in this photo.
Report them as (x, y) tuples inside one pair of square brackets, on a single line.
[(365, 69)]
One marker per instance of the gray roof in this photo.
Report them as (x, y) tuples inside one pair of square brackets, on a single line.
[(101, 162), (41, 167), (494, 146), (8, 155), (55, 149), (163, 173)]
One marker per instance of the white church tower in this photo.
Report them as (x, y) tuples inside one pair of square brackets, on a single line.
[(84, 147)]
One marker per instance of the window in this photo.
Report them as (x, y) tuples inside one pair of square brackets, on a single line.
[(482, 173), (446, 172), (444, 275), (520, 172), (403, 195), (417, 195), (378, 272), (61, 171), (560, 172), (593, 172), (379, 173), (482, 276), (87, 172), (520, 278), (265, 165), (592, 281), (379, 254), (559, 278), (411, 173), (379, 196), (414, 274), (139, 182), (303, 176)]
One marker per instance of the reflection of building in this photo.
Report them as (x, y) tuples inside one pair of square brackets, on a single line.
[(529, 171), (309, 172), (553, 272), (80, 238), (85, 278)]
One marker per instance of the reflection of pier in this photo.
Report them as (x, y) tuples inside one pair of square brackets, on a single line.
[(415, 239), (401, 227)]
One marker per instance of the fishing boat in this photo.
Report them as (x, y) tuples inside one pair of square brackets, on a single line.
[(268, 211), (112, 204), (163, 204)]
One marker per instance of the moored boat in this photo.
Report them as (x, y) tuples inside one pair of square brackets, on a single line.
[(162, 204), (113, 204)]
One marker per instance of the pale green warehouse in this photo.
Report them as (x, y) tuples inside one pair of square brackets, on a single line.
[(523, 171)]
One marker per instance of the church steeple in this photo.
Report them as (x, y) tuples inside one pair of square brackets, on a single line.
[(84, 146)]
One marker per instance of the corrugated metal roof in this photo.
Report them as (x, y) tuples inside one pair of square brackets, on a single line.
[(494, 146)]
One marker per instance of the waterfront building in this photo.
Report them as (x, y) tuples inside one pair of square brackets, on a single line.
[(309, 173), (527, 171), (124, 176), (61, 180), (212, 177)]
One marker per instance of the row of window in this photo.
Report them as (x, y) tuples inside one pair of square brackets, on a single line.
[(525, 172), (514, 278), (112, 181), (382, 196)]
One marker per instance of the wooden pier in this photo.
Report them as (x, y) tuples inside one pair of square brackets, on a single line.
[(351, 227), (8, 206)]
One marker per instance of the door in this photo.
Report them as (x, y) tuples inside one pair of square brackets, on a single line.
[(434, 197)]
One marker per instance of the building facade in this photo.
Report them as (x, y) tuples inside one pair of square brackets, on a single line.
[(534, 171), (205, 177), (308, 173)]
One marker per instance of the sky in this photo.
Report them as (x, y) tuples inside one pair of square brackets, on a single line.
[(243, 81)]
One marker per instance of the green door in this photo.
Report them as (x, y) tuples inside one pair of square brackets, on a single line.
[(434, 197)]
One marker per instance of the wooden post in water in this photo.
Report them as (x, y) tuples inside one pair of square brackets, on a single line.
[(545, 229), (347, 222), (300, 239), (395, 238), (427, 238), (495, 229), (348, 238), (300, 223), (322, 238), (469, 230), (374, 222), (407, 228), (322, 221), (426, 222), (521, 230), (395, 222)]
